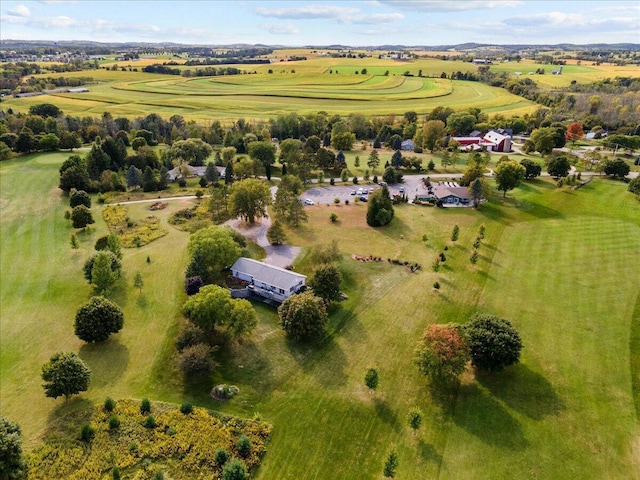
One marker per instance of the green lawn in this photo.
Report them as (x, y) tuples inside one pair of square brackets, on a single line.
[(561, 264), (43, 286)]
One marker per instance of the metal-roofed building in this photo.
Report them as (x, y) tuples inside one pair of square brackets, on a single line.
[(266, 280)]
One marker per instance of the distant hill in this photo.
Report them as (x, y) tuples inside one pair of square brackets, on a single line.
[(69, 44)]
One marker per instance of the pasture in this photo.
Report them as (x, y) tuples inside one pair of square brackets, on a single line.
[(567, 410)]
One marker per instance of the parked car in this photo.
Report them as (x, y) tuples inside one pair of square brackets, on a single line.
[(401, 190), (383, 184), (308, 201), (362, 198), (371, 190), (359, 192), (353, 192)]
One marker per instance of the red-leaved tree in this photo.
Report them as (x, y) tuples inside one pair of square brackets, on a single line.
[(574, 132), (442, 353)]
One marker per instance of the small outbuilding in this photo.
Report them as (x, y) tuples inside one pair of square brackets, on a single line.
[(268, 281), (408, 145)]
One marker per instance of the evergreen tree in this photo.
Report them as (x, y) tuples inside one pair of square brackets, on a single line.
[(134, 177), (228, 173), (137, 281), (211, 173), (380, 209), (149, 183)]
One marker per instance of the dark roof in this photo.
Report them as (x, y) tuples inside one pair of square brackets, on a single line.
[(442, 191)]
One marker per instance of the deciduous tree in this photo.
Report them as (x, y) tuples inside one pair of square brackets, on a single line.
[(80, 197), (97, 319), (442, 353), (508, 176), (493, 342), (64, 375), (432, 133), (532, 169), (616, 168), (81, 217), (558, 167), (249, 199), (195, 361), (543, 139), (303, 316), (325, 282), (12, 465), (575, 132), (211, 249)]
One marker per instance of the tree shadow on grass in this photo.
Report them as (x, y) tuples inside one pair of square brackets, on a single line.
[(79, 406), (493, 211), (142, 302), (245, 362), (480, 415), (386, 414), (107, 360), (523, 390), (428, 452), (324, 359)]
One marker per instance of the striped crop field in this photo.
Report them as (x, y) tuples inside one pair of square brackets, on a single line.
[(263, 95)]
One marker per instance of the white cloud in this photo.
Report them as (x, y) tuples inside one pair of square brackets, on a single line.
[(450, 5), (375, 18), (329, 12), (282, 28), (574, 22), (20, 11), (308, 12)]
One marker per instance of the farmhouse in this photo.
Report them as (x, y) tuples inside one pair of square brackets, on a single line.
[(493, 141), (266, 280)]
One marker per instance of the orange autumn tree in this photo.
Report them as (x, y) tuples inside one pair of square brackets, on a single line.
[(574, 132), (442, 353)]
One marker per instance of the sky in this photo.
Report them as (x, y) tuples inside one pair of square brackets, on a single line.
[(324, 22)]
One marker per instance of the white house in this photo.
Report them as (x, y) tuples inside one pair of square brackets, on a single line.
[(267, 280)]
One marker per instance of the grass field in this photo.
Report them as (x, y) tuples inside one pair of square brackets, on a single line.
[(559, 263)]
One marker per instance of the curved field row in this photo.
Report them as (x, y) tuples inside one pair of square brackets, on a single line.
[(266, 96), (370, 88)]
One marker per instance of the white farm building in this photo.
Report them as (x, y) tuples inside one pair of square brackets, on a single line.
[(266, 280)]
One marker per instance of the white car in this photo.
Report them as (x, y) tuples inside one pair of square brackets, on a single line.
[(308, 201)]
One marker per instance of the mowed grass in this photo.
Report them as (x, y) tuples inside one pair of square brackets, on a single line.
[(570, 286), (43, 286), (559, 263)]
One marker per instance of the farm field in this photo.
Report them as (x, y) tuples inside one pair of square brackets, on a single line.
[(568, 410), (371, 86)]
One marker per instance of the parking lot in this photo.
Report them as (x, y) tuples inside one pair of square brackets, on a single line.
[(322, 195)]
